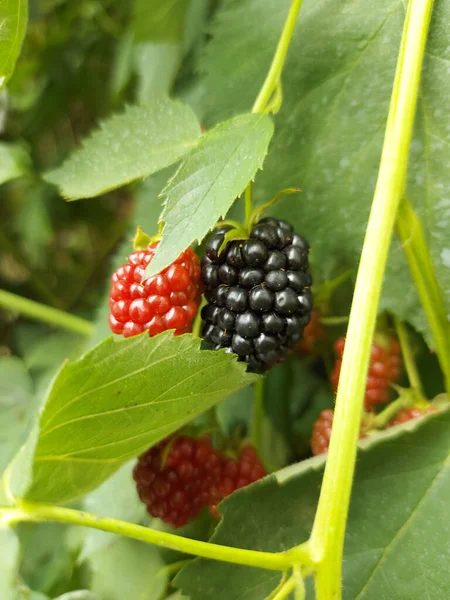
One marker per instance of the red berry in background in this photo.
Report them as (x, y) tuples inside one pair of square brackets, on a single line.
[(313, 333), (168, 300), (384, 368), (321, 434), (177, 489), (408, 414), (237, 473)]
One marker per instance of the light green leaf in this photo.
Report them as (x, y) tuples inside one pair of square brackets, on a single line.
[(156, 66), (398, 529), (79, 595), (336, 89), (9, 565), (208, 182), (115, 498), (128, 146), (160, 21), (113, 403), (13, 24), (128, 570), (17, 406), (14, 161)]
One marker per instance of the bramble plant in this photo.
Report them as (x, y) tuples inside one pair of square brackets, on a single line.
[(250, 399)]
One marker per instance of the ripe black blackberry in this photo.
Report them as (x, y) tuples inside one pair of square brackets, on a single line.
[(258, 293)]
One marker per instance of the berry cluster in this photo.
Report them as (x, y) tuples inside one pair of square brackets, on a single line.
[(180, 476), (168, 300), (258, 293), (384, 369)]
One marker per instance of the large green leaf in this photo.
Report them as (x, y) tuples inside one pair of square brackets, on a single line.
[(14, 161), (13, 24), (9, 565), (140, 575), (113, 403), (116, 498), (17, 406), (329, 131), (398, 530), (208, 182), (128, 146)]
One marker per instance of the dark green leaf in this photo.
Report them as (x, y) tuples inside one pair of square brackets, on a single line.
[(13, 24), (113, 403), (329, 132), (14, 160), (160, 21), (208, 182), (128, 146), (398, 529)]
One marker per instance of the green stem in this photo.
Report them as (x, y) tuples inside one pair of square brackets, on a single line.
[(327, 538), (330, 321), (410, 232), (257, 414), (386, 415), (47, 314), (284, 591), (279, 561), (408, 357), (273, 76)]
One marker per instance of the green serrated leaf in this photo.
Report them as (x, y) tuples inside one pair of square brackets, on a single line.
[(14, 161), (160, 21), (13, 24), (113, 403), (398, 528), (128, 146), (208, 182), (336, 88)]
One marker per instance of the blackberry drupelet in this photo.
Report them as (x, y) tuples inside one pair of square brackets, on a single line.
[(258, 293)]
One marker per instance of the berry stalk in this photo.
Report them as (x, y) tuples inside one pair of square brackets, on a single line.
[(274, 561), (327, 539)]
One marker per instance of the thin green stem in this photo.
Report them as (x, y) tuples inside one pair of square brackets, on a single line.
[(279, 561), (198, 320), (327, 538), (257, 414), (46, 314), (274, 75), (284, 591), (411, 234), (385, 416), (408, 357), (330, 321)]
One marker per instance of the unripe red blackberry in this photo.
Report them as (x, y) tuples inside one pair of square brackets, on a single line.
[(258, 293), (321, 434), (237, 473), (408, 414), (177, 489), (168, 300), (314, 332), (384, 369)]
